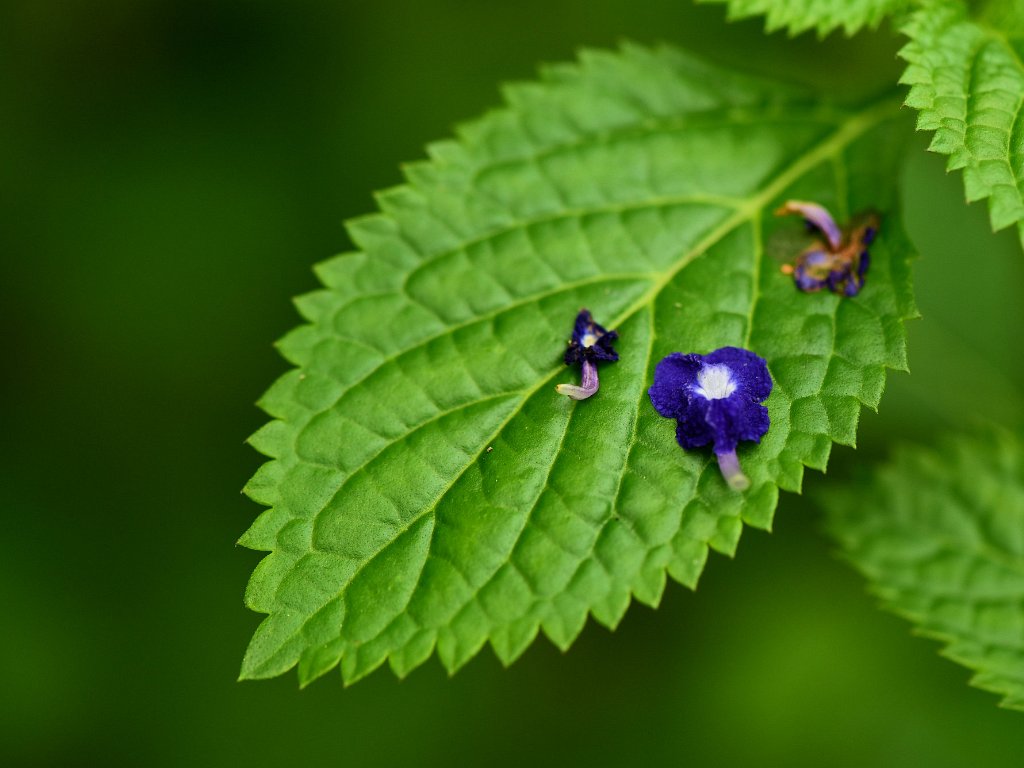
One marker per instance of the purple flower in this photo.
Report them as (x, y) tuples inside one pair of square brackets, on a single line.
[(715, 399), (590, 342), (839, 259)]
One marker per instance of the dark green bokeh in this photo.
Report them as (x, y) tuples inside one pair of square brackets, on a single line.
[(171, 171)]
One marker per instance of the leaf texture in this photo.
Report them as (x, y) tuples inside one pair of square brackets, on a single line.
[(966, 78), (940, 536), (823, 15), (430, 490)]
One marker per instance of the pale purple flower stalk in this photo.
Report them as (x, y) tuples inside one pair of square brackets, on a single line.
[(729, 464), (588, 384), (816, 216)]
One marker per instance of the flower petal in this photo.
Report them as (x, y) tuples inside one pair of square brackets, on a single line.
[(583, 325), (692, 427), (749, 371), (673, 377), (603, 349), (725, 417)]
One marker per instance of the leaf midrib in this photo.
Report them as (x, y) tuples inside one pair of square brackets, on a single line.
[(826, 116)]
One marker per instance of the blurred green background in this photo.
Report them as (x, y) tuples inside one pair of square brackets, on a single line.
[(171, 170)]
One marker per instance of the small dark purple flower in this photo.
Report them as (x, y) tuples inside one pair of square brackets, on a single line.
[(839, 260), (590, 343), (715, 399)]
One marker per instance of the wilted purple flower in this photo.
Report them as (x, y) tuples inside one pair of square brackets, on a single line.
[(839, 260), (715, 399), (590, 342)]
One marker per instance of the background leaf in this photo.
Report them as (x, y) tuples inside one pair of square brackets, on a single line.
[(824, 15), (429, 489), (967, 80), (940, 535)]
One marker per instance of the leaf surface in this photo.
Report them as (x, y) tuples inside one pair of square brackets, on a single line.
[(966, 78), (430, 490), (940, 536), (823, 15)]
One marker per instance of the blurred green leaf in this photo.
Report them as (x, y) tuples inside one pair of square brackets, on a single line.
[(824, 15), (940, 535), (430, 489), (967, 80)]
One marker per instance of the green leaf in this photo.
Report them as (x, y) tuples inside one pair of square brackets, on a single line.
[(967, 79), (430, 489), (940, 536), (824, 15)]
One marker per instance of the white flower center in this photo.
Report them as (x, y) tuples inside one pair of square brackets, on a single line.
[(714, 382), (588, 340)]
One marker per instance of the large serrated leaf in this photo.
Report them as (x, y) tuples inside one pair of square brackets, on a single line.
[(940, 535), (966, 77), (429, 488), (823, 15)]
